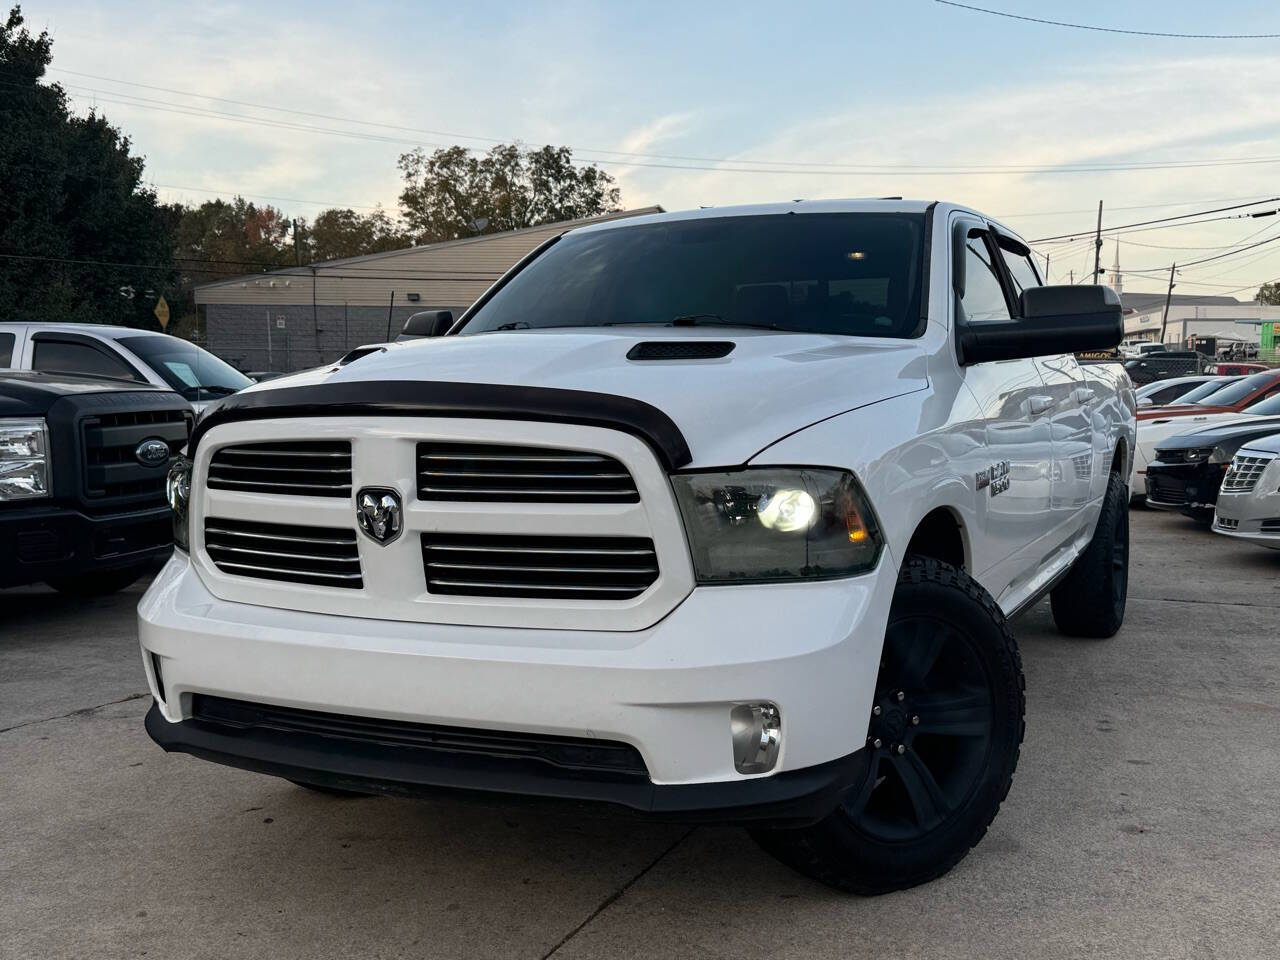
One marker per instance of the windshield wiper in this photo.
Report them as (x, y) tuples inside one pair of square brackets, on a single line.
[(513, 325), (714, 319), (221, 390)]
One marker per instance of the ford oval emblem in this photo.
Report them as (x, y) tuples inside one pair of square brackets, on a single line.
[(152, 453)]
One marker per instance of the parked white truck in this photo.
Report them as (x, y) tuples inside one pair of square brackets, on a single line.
[(717, 515)]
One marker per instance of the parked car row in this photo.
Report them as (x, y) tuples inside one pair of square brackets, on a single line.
[(1209, 448)]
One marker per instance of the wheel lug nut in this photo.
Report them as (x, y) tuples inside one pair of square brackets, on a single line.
[(915, 721), (902, 748), (875, 711), (876, 743), (901, 696)]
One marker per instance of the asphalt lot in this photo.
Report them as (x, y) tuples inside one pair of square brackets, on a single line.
[(1144, 819)]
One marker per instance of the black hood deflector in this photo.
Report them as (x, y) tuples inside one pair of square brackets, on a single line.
[(482, 401)]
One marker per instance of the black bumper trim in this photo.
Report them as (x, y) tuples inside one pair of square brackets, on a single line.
[(793, 797)]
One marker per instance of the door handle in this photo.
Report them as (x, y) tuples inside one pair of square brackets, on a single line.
[(1082, 395), (1039, 404)]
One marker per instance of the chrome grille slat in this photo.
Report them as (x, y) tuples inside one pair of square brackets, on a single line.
[(288, 552), (514, 568), (565, 550), (506, 473), (550, 567), (308, 468), (1244, 473)]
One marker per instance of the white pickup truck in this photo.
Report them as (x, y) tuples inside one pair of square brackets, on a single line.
[(717, 515)]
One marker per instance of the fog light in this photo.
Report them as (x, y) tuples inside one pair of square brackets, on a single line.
[(757, 736)]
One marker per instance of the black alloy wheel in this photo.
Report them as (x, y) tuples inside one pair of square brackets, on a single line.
[(930, 731)]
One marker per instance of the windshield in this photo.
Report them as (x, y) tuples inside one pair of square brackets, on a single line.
[(855, 274), (190, 370), (1237, 391), (1269, 407), (1206, 389)]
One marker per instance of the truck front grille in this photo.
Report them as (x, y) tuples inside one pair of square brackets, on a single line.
[(327, 556), (510, 474), (304, 468), (1244, 473), (112, 471), (564, 568)]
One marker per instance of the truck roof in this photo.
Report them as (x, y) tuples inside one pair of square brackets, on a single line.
[(109, 331)]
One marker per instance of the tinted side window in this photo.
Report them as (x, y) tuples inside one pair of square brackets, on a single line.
[(60, 356), (983, 298), (1023, 273), (6, 349)]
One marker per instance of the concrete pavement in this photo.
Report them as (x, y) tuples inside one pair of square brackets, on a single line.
[(1144, 819)]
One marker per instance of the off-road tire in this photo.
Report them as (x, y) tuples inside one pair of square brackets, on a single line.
[(1090, 601), (97, 583), (837, 850)]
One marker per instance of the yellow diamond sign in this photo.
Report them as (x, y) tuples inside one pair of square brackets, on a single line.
[(162, 313)]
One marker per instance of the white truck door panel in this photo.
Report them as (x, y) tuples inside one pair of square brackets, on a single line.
[(1073, 454)]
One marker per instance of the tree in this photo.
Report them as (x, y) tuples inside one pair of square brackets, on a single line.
[(1269, 293), (454, 193), (81, 239), (338, 233)]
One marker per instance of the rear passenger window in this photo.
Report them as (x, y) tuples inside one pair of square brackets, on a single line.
[(6, 349), (983, 298), (62, 356), (1022, 271)]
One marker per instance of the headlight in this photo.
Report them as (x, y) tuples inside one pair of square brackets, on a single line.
[(24, 459), (777, 523), (177, 488), (1198, 454), (1219, 455)]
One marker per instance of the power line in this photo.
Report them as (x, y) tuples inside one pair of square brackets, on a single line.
[(1143, 223), (722, 165), (261, 196), (1138, 33)]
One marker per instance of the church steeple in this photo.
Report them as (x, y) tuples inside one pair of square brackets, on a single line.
[(1116, 283)]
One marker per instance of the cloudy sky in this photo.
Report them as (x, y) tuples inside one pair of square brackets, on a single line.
[(708, 103)]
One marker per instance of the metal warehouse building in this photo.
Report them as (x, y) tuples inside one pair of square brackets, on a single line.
[(305, 316)]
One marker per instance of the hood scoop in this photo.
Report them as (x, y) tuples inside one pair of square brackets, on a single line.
[(681, 350)]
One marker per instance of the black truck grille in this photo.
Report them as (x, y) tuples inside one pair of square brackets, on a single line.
[(494, 472), (307, 468), (326, 556), (112, 470), (571, 754), (562, 568)]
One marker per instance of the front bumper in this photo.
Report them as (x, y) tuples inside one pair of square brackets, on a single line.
[(1189, 488), (38, 542), (1252, 516), (812, 649)]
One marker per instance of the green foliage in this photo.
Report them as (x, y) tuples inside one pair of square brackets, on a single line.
[(453, 193), (338, 233), (1269, 293), (71, 191)]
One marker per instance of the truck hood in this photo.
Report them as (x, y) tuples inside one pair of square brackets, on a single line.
[(25, 393), (770, 384)]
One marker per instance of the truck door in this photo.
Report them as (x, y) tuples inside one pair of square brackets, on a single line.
[(1070, 414), (1014, 486)]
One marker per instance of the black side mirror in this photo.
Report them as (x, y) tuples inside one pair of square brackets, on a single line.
[(428, 323), (1060, 319)]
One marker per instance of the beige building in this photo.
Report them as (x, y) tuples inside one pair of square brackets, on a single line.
[(305, 316)]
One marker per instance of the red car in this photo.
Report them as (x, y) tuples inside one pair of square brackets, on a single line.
[(1232, 398), (1235, 368)]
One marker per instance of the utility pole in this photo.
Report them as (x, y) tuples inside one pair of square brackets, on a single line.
[(1097, 246), (1167, 297), (297, 247), (1072, 275), (1046, 268)]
